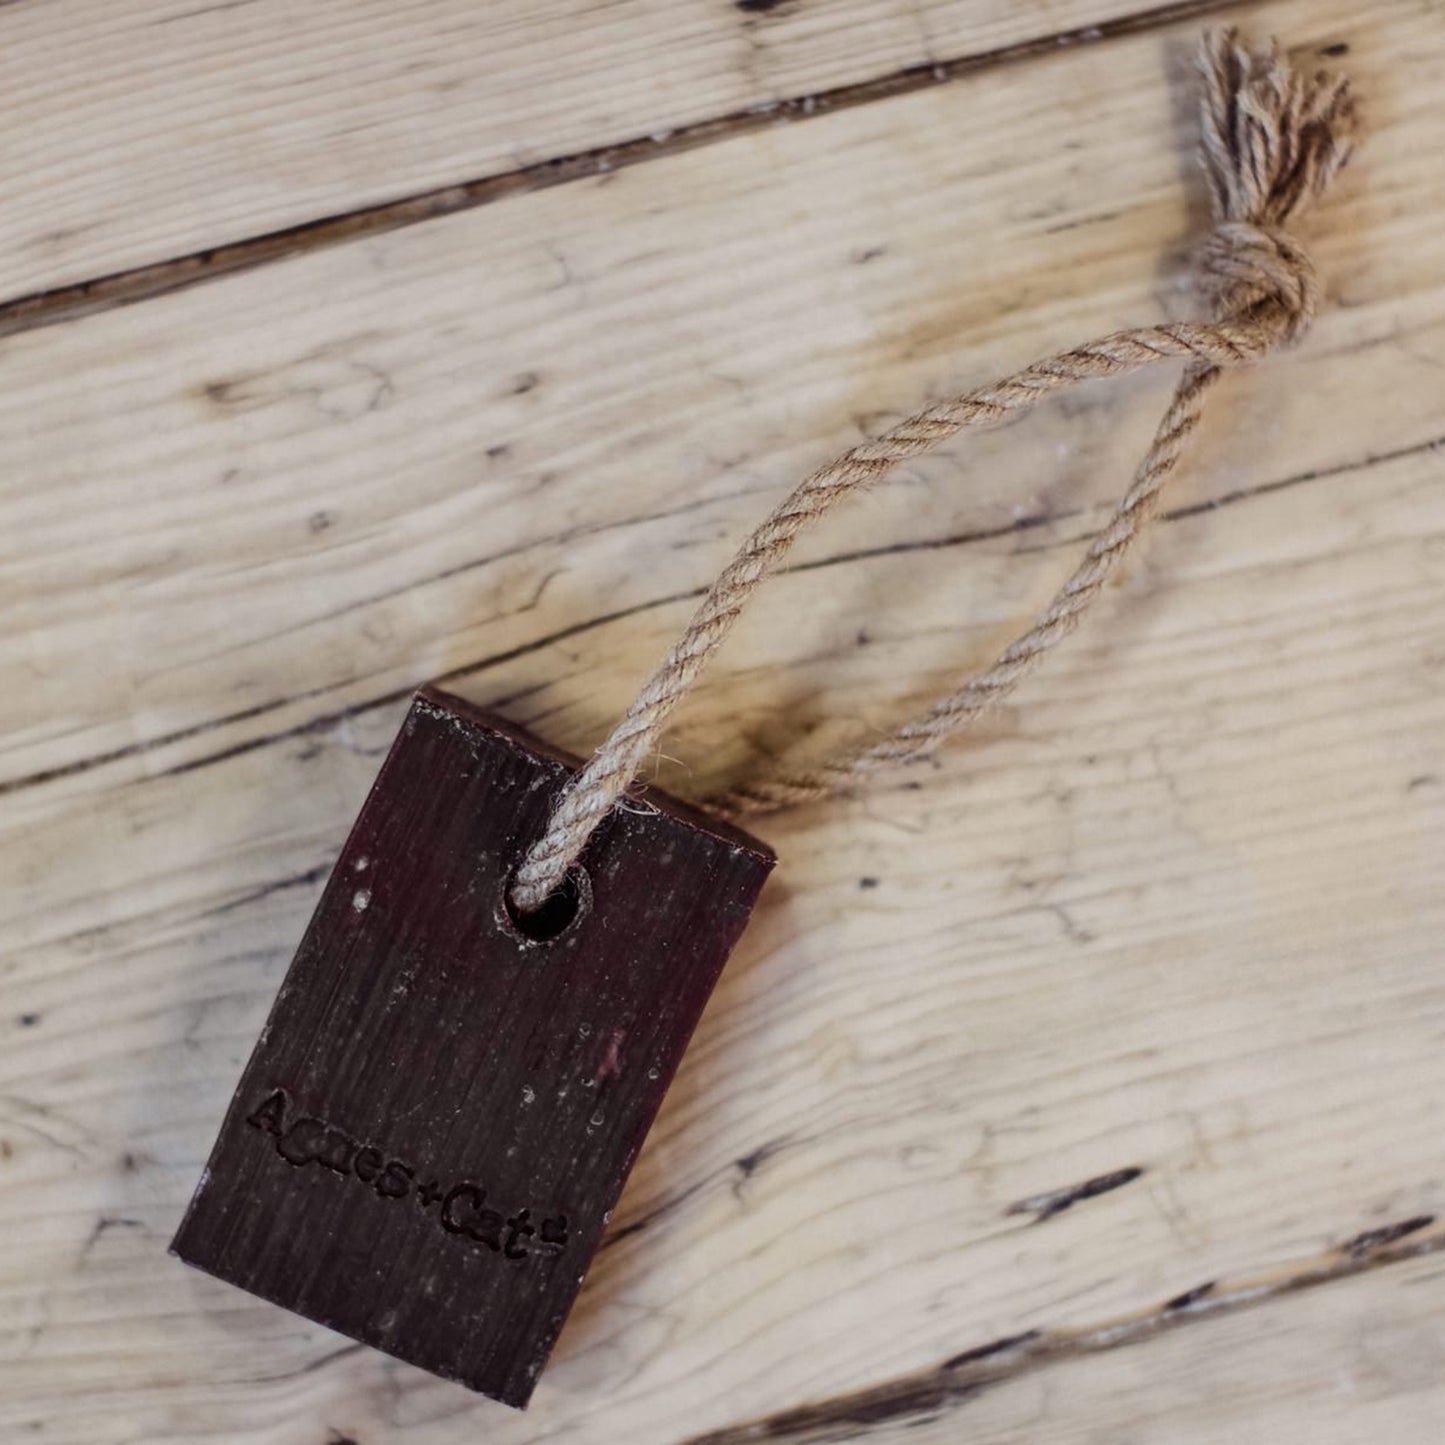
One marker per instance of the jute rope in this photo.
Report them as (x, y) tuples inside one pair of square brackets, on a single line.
[(1272, 140)]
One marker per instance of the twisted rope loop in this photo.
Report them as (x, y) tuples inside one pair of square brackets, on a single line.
[(1272, 140)]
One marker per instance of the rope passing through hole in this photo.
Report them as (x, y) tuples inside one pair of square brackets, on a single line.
[(1272, 140)]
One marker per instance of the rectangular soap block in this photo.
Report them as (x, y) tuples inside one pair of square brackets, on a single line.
[(441, 1110)]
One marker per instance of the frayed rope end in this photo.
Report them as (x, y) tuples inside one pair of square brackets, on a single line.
[(1272, 141)]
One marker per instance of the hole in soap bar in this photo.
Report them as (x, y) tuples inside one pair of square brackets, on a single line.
[(557, 914)]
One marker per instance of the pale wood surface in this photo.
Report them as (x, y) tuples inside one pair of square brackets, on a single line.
[(1178, 908), (144, 131)]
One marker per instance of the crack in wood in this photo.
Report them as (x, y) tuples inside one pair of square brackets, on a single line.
[(742, 1169), (934, 1391), (142, 283), (1387, 1234), (305, 880), (1190, 1297), (1056, 1201)]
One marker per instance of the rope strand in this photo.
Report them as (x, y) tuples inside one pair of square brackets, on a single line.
[(959, 709), (1271, 141)]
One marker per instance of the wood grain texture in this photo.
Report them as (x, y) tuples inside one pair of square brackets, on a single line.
[(1171, 920), (141, 133)]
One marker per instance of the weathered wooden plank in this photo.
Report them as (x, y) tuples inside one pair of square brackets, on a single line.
[(143, 132), (1359, 1360), (1175, 911)]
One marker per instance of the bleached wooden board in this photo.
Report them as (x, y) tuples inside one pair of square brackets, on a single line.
[(140, 132), (1359, 1361), (1177, 909)]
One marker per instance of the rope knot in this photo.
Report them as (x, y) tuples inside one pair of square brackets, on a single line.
[(1259, 273), (1273, 139)]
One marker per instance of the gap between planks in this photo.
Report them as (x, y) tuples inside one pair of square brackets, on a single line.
[(142, 283)]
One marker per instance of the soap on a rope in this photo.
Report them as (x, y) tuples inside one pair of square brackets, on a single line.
[(442, 1108)]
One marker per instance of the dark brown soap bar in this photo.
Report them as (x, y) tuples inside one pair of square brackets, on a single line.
[(441, 1109)]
